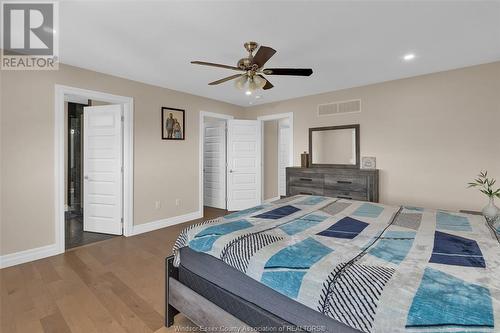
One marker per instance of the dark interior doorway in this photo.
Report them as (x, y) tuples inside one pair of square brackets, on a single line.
[(75, 158), (74, 234)]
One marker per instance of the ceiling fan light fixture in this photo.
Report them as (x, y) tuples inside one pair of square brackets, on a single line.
[(260, 82), (256, 83), (241, 82), (252, 85), (251, 69)]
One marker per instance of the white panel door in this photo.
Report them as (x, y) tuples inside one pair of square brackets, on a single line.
[(102, 167), (244, 164), (214, 163)]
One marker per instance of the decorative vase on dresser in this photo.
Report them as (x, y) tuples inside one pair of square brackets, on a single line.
[(485, 185), (491, 211)]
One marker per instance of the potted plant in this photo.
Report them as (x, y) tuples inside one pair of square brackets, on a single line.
[(485, 185)]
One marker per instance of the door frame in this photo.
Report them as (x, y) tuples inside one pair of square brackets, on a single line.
[(201, 142), (276, 116), (62, 91)]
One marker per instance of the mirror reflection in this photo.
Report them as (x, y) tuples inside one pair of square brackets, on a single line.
[(335, 146)]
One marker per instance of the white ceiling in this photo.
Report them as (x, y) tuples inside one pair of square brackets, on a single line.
[(347, 44)]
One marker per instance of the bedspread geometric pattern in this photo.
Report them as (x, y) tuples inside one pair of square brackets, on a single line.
[(374, 267)]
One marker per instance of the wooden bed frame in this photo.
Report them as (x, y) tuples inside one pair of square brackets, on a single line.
[(181, 299)]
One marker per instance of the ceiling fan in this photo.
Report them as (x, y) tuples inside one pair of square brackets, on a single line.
[(252, 77)]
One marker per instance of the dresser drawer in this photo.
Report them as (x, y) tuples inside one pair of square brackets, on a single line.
[(349, 183), (346, 182), (346, 194), (306, 179), (294, 190)]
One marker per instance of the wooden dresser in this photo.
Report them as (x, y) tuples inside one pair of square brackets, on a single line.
[(347, 183)]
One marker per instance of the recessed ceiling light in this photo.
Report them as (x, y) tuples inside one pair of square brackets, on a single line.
[(409, 56), (250, 103), (257, 97), (248, 92)]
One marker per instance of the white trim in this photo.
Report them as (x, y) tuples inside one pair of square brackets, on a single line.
[(21, 257), (290, 153), (215, 115), (272, 199), (201, 134), (75, 99), (277, 116), (128, 154), (155, 225)]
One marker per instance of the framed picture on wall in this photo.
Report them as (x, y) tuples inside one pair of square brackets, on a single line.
[(172, 124)]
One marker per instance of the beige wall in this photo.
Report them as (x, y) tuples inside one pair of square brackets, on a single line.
[(431, 134), (270, 144), (163, 170)]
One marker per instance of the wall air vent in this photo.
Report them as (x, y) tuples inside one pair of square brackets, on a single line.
[(334, 108)]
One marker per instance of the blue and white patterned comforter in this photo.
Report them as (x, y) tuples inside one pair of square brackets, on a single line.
[(374, 267)]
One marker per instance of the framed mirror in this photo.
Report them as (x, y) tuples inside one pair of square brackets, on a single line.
[(334, 146)]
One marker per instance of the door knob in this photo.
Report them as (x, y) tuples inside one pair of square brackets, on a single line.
[(86, 177), (231, 171)]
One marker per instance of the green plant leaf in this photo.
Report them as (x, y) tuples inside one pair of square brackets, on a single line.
[(485, 192)]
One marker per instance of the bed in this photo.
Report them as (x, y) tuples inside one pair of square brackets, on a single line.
[(313, 263)]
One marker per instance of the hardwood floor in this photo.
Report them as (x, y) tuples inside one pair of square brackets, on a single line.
[(116, 285)]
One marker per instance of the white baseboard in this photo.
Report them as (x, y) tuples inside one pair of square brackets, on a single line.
[(22, 257), (272, 199), (155, 225)]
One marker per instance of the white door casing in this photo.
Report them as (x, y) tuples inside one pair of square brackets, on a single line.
[(214, 163), (283, 157), (244, 164), (102, 167)]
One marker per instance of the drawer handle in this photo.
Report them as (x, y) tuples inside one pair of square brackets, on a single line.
[(342, 197), (344, 182), (306, 179), (308, 193)]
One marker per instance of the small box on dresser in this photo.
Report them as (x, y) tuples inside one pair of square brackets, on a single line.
[(348, 183)]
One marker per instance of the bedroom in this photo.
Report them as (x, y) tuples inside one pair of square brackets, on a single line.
[(421, 83)]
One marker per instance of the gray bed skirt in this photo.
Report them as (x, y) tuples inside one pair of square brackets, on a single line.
[(253, 303)]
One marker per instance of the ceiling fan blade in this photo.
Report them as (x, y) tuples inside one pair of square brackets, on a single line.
[(268, 84), (204, 63), (288, 71), (264, 53), (225, 79)]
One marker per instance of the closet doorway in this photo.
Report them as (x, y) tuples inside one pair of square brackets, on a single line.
[(277, 154), (230, 162)]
